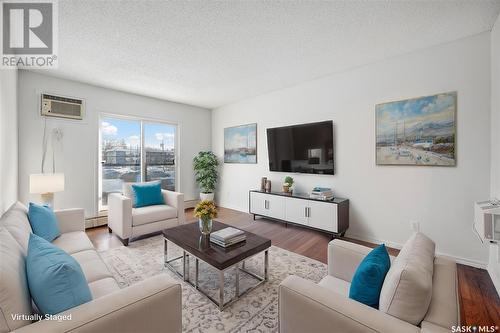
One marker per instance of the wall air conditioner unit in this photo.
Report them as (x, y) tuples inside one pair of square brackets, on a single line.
[(487, 220), (62, 107)]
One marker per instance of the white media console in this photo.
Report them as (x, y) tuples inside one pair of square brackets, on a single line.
[(329, 216)]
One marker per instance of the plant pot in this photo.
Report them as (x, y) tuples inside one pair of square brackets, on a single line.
[(207, 196), (286, 189), (205, 226)]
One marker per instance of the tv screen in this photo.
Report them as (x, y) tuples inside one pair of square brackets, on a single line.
[(306, 148)]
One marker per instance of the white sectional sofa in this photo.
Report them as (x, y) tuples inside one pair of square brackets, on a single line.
[(326, 307), (153, 305)]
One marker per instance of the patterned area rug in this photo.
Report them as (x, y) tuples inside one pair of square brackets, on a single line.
[(257, 311)]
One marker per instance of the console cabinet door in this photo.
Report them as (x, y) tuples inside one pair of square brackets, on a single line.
[(276, 206), (267, 205), (323, 215), (296, 210), (258, 203)]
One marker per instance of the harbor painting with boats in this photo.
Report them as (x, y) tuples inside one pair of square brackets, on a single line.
[(240, 144), (418, 131)]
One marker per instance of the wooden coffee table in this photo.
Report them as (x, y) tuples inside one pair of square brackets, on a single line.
[(194, 244)]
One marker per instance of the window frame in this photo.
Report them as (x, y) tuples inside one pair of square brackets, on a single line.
[(141, 120)]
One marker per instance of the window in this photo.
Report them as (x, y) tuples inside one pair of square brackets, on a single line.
[(159, 148), (133, 151)]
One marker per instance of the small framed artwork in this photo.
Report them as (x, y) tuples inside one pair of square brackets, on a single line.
[(240, 144), (417, 131)]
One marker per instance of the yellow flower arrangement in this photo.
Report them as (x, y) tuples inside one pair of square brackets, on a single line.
[(205, 210)]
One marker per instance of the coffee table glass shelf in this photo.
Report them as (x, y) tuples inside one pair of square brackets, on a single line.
[(199, 247)]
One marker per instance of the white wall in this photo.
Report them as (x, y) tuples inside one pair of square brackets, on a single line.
[(77, 156), (383, 199), (494, 261), (495, 110), (8, 138)]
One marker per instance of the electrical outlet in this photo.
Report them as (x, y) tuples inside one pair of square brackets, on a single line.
[(415, 225)]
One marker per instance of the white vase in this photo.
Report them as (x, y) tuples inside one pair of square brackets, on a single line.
[(207, 196)]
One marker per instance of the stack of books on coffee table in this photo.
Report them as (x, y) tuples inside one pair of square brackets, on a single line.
[(227, 236)]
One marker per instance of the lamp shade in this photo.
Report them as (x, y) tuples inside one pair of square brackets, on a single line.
[(46, 183)]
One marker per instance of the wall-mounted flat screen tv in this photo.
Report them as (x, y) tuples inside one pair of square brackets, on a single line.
[(305, 148)]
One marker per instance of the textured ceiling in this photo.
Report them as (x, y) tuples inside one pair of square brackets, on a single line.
[(210, 54)]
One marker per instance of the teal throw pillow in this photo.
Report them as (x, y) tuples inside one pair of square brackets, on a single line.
[(43, 221), (369, 277), (55, 279), (147, 194)]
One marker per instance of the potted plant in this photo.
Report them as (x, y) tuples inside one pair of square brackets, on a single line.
[(287, 184), (205, 169), (205, 211)]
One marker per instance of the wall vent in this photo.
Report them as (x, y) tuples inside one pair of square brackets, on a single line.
[(62, 107)]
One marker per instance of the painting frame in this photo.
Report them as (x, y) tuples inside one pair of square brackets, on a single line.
[(245, 158), (444, 160)]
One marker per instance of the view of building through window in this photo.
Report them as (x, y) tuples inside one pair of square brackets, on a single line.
[(122, 146), (159, 148)]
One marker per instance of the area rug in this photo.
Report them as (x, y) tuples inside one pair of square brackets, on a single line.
[(257, 311)]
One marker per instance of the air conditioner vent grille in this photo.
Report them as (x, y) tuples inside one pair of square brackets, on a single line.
[(62, 99), (62, 107)]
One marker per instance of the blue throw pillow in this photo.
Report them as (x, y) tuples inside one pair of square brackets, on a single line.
[(147, 194), (369, 277), (55, 279), (43, 221)]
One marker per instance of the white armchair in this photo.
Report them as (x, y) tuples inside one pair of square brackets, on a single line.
[(128, 222)]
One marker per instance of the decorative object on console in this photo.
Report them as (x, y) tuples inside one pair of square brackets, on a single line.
[(417, 131), (240, 144), (263, 182), (268, 186), (205, 211), (227, 237), (287, 184), (205, 168), (47, 184), (322, 193)]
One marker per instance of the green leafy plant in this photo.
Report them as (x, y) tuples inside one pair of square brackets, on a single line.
[(205, 169), (288, 181)]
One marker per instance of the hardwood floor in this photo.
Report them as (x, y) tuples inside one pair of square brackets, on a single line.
[(479, 300), (480, 304)]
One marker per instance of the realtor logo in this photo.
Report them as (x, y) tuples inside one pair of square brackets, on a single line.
[(28, 34)]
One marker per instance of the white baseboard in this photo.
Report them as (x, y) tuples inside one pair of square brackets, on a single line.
[(374, 240), (96, 222), (239, 209), (459, 260), (191, 203)]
